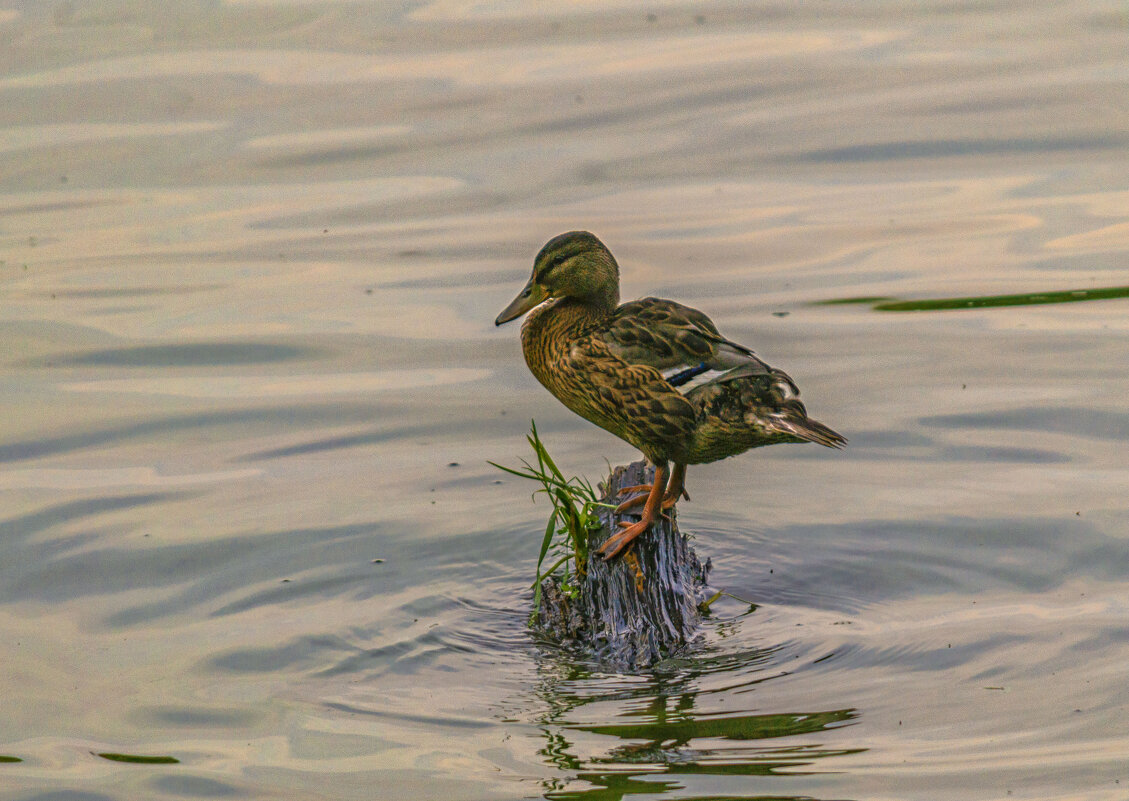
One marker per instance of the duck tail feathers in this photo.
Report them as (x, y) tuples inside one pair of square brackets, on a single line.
[(812, 431)]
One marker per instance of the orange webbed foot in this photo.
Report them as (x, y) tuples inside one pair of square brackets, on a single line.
[(631, 503), (652, 508), (635, 488), (615, 544)]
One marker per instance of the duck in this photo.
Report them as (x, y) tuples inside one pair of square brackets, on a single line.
[(653, 372)]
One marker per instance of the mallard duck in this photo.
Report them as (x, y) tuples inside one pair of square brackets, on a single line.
[(653, 372)]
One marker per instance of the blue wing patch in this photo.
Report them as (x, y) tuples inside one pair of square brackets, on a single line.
[(690, 373)]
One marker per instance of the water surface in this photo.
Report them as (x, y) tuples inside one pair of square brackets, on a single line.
[(250, 256)]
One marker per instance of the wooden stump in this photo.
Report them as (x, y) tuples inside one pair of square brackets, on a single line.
[(639, 608)]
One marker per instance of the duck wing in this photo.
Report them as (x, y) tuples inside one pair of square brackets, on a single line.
[(681, 343), (631, 400), (740, 402)]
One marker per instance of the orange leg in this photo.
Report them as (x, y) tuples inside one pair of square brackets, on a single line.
[(651, 511), (676, 488), (635, 500)]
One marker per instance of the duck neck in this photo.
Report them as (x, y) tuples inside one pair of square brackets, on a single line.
[(549, 330), (567, 318)]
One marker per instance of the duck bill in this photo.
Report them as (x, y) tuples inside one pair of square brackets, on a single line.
[(532, 295)]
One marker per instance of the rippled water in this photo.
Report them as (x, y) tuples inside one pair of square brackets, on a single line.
[(250, 256)]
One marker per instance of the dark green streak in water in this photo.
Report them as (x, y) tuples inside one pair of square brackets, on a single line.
[(618, 786), (986, 301), (141, 760), (741, 727), (9, 759)]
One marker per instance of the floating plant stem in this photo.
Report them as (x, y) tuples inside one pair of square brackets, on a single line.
[(139, 759)]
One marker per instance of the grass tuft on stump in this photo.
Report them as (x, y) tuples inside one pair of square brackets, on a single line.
[(575, 514)]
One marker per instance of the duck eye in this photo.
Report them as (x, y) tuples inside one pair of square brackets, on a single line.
[(551, 265)]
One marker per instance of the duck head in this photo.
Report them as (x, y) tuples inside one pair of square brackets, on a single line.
[(574, 265)]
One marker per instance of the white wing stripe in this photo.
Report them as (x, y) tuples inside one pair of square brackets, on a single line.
[(698, 380)]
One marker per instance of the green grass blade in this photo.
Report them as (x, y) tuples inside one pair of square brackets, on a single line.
[(705, 605), (545, 543), (511, 471), (552, 569), (573, 516), (543, 456), (536, 604)]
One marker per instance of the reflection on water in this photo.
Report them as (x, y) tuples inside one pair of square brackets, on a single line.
[(670, 739), (210, 354)]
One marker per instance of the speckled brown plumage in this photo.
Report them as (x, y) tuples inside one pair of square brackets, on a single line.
[(653, 372)]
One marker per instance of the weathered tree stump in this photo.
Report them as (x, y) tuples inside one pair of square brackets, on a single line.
[(639, 608)]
